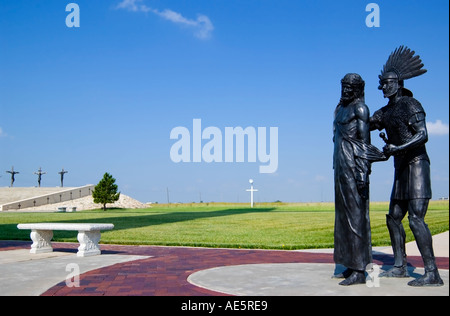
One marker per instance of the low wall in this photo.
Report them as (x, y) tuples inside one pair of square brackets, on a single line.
[(51, 198)]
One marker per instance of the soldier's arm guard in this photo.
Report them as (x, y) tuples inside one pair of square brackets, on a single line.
[(418, 125)]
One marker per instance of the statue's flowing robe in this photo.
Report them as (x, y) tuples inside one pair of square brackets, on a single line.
[(351, 161)]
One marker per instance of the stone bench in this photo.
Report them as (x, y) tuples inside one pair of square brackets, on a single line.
[(88, 236)]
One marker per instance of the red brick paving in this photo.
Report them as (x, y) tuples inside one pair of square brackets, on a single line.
[(166, 272)]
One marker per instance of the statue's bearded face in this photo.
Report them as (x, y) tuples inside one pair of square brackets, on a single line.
[(347, 92), (352, 88), (389, 84)]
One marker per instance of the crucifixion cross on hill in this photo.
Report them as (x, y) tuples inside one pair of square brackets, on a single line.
[(40, 173), (62, 172), (13, 173)]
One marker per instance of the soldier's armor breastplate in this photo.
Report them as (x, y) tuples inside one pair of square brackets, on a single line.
[(396, 121)]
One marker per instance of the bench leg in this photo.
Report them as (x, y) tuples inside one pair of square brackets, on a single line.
[(88, 243), (41, 241)]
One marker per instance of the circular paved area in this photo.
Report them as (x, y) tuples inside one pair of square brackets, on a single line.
[(305, 279)]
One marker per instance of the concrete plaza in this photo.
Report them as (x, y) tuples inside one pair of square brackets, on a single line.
[(184, 271)]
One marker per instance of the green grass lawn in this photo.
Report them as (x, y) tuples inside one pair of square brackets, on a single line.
[(267, 226)]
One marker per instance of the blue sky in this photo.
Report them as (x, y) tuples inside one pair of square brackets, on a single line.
[(105, 96)]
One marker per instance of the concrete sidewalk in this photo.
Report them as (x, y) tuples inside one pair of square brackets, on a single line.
[(440, 246), (25, 274)]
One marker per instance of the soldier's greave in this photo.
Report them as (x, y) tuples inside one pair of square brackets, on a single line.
[(398, 237), (424, 241)]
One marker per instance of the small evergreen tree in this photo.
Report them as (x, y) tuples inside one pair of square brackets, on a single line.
[(106, 191)]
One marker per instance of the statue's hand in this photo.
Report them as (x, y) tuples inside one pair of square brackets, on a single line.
[(390, 149)]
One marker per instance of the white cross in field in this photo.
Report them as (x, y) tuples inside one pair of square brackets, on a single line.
[(251, 190)]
